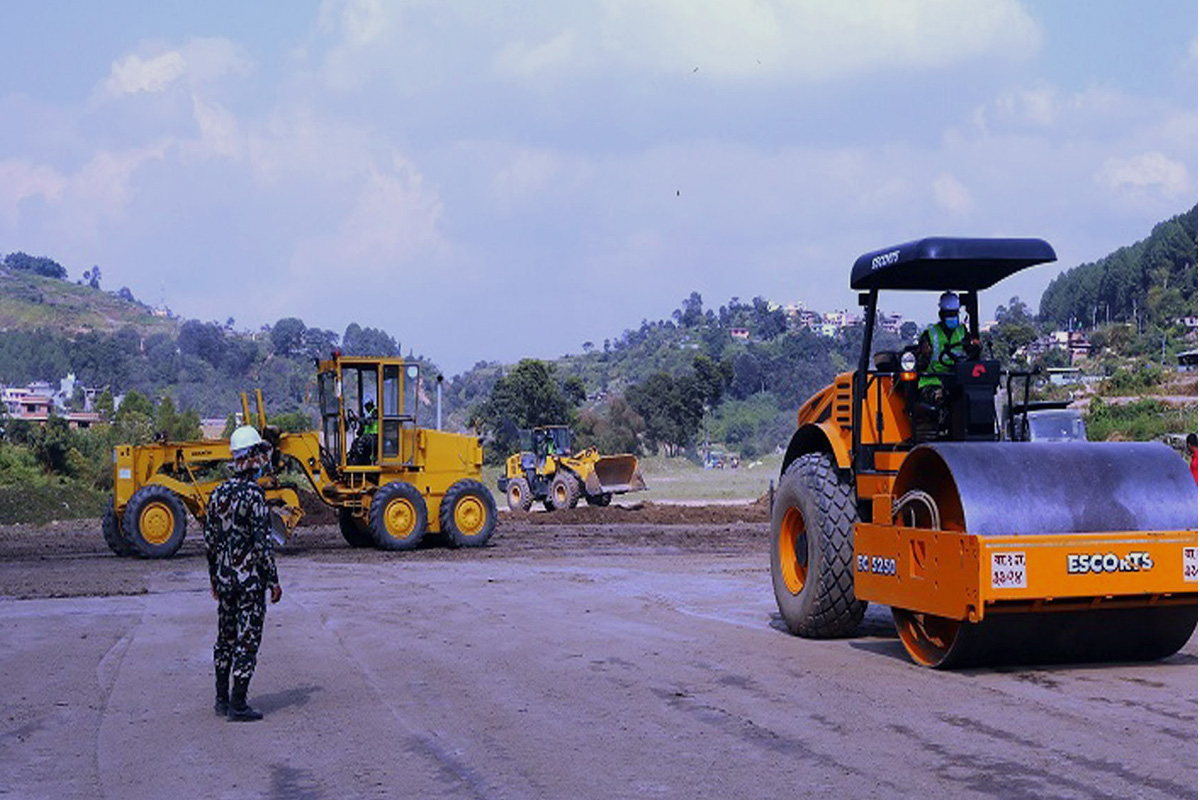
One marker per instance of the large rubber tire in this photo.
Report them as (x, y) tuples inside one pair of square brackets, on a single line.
[(355, 531), (110, 526), (601, 500), (812, 550), (564, 491), (468, 514), (399, 517), (155, 522), (519, 496)]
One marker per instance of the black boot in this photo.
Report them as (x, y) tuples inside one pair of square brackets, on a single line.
[(221, 706), (239, 709)]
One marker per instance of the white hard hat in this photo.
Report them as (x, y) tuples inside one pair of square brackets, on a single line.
[(243, 440), (948, 302)]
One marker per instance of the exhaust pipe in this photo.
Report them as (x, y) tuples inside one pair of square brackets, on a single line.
[(439, 401)]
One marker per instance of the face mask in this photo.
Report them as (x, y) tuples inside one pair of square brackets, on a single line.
[(950, 322)]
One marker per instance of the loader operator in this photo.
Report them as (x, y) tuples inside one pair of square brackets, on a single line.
[(241, 568), (941, 346)]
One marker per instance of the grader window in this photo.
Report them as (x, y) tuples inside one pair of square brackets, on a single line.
[(390, 405)]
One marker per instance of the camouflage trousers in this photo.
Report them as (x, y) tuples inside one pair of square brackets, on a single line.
[(240, 618)]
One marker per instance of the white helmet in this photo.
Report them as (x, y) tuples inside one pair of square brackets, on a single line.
[(948, 303), (243, 441)]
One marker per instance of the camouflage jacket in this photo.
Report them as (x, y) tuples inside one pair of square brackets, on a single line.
[(237, 536)]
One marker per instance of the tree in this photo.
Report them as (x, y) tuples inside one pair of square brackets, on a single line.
[(205, 340), (615, 428), (574, 390), (691, 313), (358, 341), (527, 397), (38, 265), (287, 336), (673, 409), (104, 405)]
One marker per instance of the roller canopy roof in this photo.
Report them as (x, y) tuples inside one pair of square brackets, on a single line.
[(940, 262)]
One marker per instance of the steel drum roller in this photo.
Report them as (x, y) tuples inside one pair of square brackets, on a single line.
[(1005, 489)]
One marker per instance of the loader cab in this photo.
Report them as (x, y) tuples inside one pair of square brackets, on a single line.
[(552, 440), (368, 412), (934, 265)]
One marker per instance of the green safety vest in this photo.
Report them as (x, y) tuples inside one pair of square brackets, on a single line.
[(943, 342)]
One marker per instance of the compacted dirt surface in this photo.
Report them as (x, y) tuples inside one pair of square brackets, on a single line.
[(601, 653)]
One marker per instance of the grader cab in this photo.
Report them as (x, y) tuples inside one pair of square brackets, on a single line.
[(987, 551), (390, 480)]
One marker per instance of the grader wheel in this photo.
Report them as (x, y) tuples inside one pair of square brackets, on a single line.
[(398, 517), (155, 522), (110, 526), (812, 550), (355, 530), (468, 514)]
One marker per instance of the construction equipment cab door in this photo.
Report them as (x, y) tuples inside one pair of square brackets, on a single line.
[(399, 386)]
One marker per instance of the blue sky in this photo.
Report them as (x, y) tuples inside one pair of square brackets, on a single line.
[(488, 181)]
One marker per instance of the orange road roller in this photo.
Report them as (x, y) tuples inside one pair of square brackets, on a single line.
[(989, 552)]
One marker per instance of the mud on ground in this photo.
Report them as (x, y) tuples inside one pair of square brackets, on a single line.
[(70, 559)]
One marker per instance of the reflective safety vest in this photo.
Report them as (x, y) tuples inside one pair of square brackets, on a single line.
[(951, 345)]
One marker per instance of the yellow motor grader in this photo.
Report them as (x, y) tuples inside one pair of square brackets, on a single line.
[(390, 480), (988, 551), (548, 469)]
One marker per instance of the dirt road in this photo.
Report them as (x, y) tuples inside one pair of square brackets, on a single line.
[(640, 658)]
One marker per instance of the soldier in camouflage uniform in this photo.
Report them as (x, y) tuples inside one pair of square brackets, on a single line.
[(241, 567)]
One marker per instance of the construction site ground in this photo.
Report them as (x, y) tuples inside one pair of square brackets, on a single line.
[(600, 653)]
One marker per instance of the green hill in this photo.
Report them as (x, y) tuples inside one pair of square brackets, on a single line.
[(1152, 281), (30, 302)]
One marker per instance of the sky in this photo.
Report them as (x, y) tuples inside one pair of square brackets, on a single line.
[(489, 180)]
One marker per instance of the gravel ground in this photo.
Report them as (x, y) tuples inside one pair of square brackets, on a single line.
[(572, 657)]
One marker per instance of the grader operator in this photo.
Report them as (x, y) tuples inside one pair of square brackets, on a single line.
[(987, 551)]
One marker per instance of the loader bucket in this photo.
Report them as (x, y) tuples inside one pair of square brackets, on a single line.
[(615, 475)]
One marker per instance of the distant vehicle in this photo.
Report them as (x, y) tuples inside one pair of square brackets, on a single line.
[(1047, 421)]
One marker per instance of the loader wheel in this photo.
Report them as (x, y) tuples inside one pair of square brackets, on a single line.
[(599, 499), (355, 530), (155, 522), (519, 496), (564, 491), (812, 550), (468, 514), (110, 526), (398, 517)]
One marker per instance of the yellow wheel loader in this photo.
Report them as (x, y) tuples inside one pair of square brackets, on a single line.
[(390, 480), (548, 470), (987, 551)]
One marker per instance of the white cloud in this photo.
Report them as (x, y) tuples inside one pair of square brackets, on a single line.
[(356, 21), (522, 60), (527, 174), (392, 219), (100, 190), (133, 74), (21, 180), (198, 61), (219, 131), (1151, 172), (812, 40), (951, 195)]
